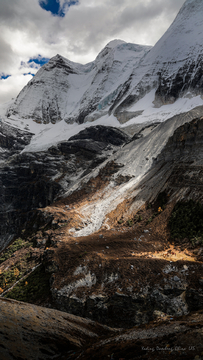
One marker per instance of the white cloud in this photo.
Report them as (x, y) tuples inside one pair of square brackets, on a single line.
[(10, 87), (27, 30)]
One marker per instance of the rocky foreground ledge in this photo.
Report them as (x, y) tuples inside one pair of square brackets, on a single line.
[(29, 332), (32, 332)]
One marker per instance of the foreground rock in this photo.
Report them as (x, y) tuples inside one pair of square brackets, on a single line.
[(30, 332), (164, 339)]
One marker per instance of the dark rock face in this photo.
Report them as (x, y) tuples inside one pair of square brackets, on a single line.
[(58, 62), (104, 134), (185, 144), (126, 311), (33, 180), (12, 140), (25, 184), (188, 78), (93, 140)]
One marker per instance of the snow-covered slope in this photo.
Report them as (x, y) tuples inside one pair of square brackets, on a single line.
[(63, 90), (174, 65)]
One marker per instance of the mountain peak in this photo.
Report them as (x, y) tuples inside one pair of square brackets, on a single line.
[(192, 4), (183, 38), (121, 75), (115, 43)]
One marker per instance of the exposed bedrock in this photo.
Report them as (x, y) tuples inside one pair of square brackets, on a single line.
[(188, 78), (179, 166), (33, 180), (126, 311), (178, 169)]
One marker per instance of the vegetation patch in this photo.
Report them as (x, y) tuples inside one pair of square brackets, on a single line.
[(186, 221), (35, 287), (9, 277), (148, 214), (132, 221), (13, 273), (151, 218), (11, 249)]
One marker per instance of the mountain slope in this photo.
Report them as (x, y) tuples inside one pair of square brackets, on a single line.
[(174, 65), (69, 91), (121, 74)]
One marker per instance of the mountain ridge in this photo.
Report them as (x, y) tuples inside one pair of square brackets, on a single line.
[(119, 77), (93, 82), (173, 65)]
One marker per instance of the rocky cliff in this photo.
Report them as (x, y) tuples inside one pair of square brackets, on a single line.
[(33, 180)]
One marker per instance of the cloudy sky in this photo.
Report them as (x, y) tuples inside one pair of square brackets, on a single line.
[(32, 31)]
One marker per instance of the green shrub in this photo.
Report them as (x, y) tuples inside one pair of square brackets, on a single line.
[(130, 222), (16, 245), (33, 288)]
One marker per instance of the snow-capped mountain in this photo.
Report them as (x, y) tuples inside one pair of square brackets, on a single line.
[(63, 90), (174, 65), (120, 76)]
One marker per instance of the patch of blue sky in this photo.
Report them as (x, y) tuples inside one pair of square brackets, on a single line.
[(39, 60), (3, 76), (29, 74), (34, 63), (54, 6)]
